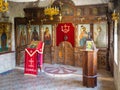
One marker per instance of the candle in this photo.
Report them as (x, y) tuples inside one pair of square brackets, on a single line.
[(114, 11), (5, 1)]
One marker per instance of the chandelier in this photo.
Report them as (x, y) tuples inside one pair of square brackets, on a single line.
[(51, 11), (3, 5)]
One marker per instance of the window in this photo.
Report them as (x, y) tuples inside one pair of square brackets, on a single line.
[(115, 44)]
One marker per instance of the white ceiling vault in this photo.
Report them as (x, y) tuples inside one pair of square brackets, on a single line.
[(89, 2), (76, 2), (23, 0)]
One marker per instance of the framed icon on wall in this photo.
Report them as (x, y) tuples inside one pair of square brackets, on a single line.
[(5, 37), (100, 34), (47, 34), (83, 30)]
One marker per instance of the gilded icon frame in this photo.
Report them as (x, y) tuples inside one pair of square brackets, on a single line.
[(5, 37)]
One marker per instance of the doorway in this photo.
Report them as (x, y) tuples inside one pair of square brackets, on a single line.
[(65, 53)]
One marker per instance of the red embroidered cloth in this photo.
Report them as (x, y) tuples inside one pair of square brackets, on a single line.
[(30, 61), (39, 50), (65, 32)]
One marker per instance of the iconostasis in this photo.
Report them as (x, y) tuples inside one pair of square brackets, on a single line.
[(64, 38)]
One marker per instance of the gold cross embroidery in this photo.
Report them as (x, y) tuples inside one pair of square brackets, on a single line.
[(65, 28)]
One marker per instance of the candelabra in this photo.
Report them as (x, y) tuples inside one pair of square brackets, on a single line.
[(3, 5), (51, 11)]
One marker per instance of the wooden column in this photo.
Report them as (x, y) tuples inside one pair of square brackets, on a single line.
[(90, 68)]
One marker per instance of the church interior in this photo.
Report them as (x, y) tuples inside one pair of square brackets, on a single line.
[(59, 44)]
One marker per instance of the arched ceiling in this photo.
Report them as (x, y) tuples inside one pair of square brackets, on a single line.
[(89, 2), (23, 0), (76, 2)]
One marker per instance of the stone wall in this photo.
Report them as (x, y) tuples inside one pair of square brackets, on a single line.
[(117, 67), (7, 62)]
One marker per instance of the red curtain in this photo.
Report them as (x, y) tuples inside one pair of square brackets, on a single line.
[(65, 32), (39, 50)]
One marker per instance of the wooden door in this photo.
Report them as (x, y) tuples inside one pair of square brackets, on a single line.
[(65, 53)]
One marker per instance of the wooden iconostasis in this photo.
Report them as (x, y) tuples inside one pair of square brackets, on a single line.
[(91, 17)]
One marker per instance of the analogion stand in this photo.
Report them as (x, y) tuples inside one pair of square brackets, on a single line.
[(90, 68), (34, 58)]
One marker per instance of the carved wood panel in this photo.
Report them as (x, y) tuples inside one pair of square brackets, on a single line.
[(47, 54), (102, 59), (78, 59), (65, 53)]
